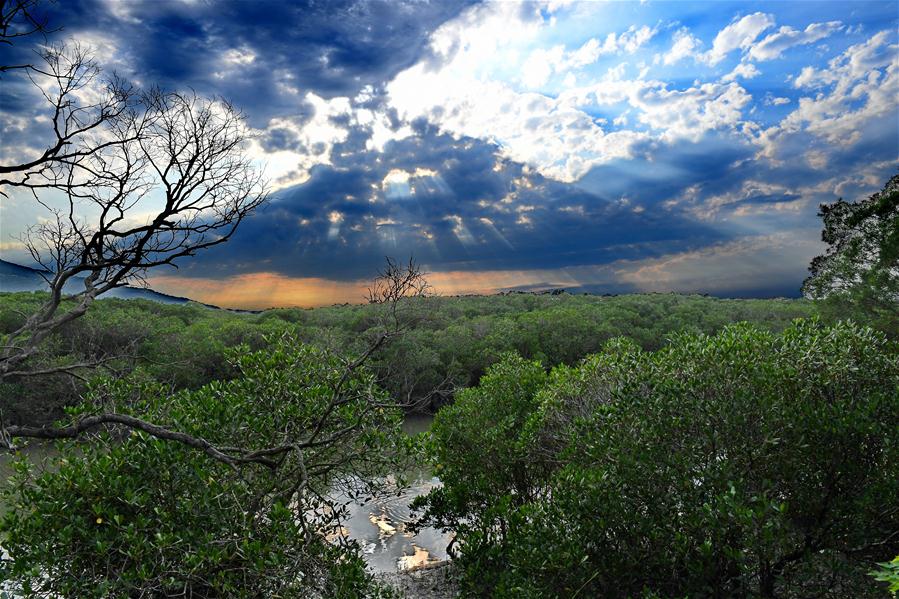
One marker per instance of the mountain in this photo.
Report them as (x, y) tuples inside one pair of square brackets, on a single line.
[(14, 277)]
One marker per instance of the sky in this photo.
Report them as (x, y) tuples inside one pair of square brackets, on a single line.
[(603, 147)]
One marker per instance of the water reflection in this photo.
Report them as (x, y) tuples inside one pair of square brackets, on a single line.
[(380, 525)]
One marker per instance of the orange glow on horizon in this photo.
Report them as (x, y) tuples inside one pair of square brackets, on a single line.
[(258, 291)]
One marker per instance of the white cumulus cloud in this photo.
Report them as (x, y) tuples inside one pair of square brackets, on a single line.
[(542, 63), (739, 35), (858, 87), (685, 45), (773, 45), (746, 70)]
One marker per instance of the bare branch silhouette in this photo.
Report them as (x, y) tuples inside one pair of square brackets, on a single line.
[(170, 180)]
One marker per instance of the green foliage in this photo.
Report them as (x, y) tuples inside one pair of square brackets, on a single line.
[(888, 572), (138, 516), (458, 338), (481, 462), (698, 469), (454, 341), (742, 464), (859, 272)]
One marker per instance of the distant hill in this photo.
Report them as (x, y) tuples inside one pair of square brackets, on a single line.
[(14, 277)]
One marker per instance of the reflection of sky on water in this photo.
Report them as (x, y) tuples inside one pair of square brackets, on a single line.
[(379, 526)]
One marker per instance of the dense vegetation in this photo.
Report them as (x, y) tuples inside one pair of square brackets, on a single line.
[(614, 446), (138, 516), (741, 464), (452, 343), (162, 516), (859, 272)]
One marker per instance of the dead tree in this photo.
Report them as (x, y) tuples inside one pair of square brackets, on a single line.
[(394, 283), (81, 102), (18, 19), (85, 110), (180, 157), (167, 179)]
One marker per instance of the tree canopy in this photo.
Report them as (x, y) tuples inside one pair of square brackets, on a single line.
[(862, 258), (745, 464)]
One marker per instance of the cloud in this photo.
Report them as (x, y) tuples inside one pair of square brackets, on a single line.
[(772, 100), (674, 113), (730, 269), (740, 34), (556, 134), (291, 146), (264, 56), (541, 64), (857, 91), (746, 70), (856, 62), (733, 268), (775, 44), (559, 139), (454, 204), (261, 290), (685, 45), (508, 144)]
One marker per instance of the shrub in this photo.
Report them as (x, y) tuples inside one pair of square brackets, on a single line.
[(133, 515), (743, 464)]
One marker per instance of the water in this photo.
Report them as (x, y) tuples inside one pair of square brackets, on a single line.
[(378, 526)]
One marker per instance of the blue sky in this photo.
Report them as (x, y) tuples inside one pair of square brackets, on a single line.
[(597, 146)]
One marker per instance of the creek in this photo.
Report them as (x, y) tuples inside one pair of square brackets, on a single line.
[(380, 526)]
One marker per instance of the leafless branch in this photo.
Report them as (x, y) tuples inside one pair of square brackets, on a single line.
[(91, 422), (134, 181), (185, 148), (17, 20), (82, 106)]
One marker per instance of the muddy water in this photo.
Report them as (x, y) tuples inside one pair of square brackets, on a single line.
[(379, 526)]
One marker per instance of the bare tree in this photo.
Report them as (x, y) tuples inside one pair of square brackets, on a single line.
[(396, 282), (80, 100), (167, 178), (88, 113), (133, 181), (18, 19), (180, 157)]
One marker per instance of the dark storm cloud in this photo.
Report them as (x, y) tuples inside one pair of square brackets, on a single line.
[(332, 48), (665, 171), (478, 212)]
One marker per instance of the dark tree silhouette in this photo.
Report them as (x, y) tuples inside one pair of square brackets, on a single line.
[(131, 180), (18, 19)]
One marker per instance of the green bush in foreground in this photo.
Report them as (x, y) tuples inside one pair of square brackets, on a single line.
[(888, 572), (135, 516), (743, 464)]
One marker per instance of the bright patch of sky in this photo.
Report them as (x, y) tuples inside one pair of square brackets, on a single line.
[(565, 88), (613, 146)]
